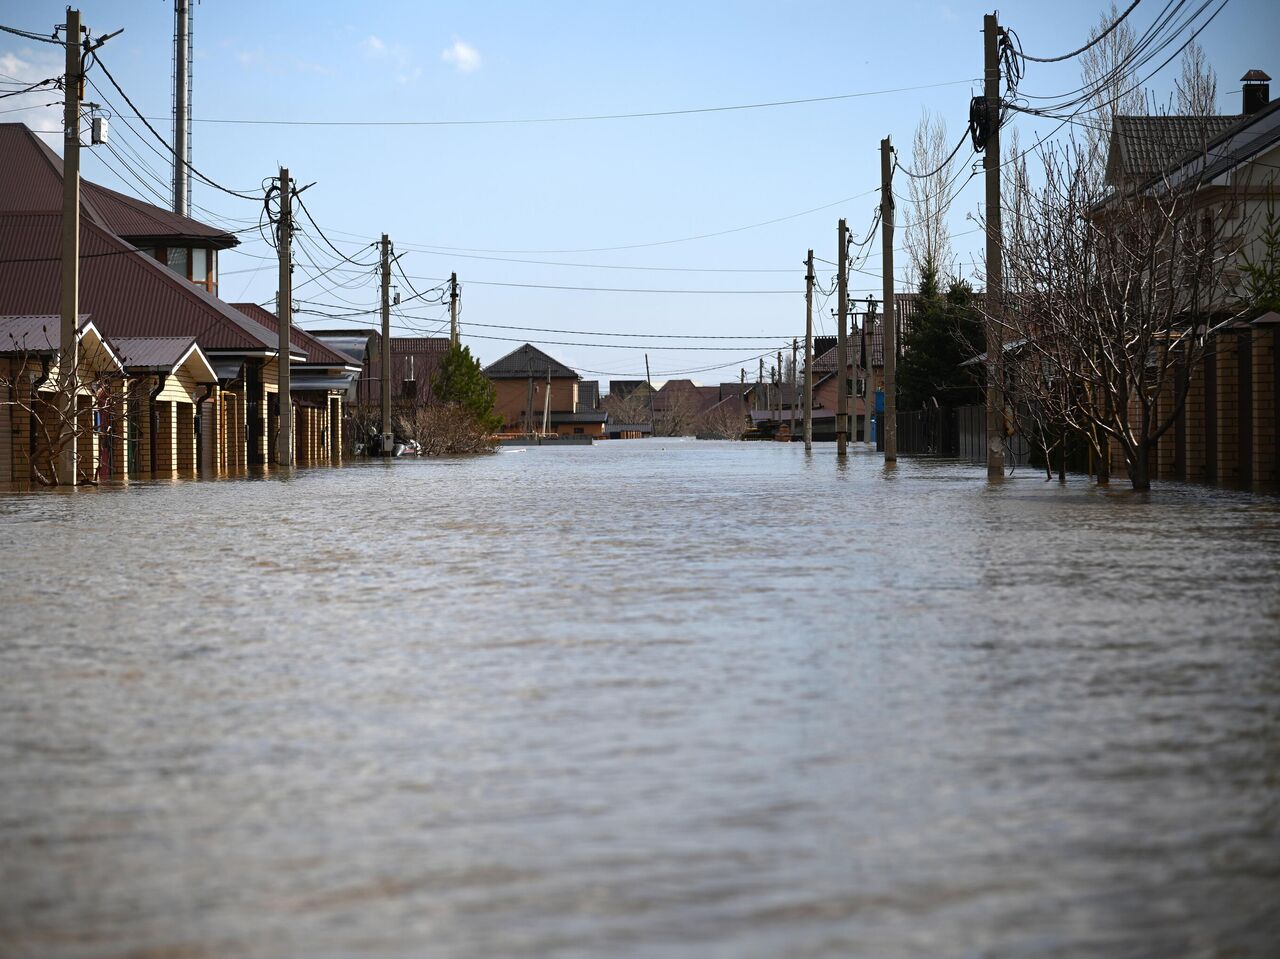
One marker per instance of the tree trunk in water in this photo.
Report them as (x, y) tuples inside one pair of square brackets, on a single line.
[(1139, 473)]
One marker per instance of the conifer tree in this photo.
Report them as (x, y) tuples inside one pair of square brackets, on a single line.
[(460, 383), (944, 333)]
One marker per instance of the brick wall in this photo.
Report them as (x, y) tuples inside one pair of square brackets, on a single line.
[(1228, 409), (1266, 456)]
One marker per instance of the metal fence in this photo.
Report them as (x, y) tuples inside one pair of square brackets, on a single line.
[(959, 433)]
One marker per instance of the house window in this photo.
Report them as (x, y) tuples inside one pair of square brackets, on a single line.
[(409, 389), (578, 429), (176, 260), (200, 266)]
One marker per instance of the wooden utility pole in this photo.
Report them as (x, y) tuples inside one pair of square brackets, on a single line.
[(842, 342), (779, 390), (69, 347), (546, 403), (649, 382), (868, 371), (995, 253), (760, 388), (808, 353), (795, 350), (890, 315), (453, 309), (284, 314), (386, 347)]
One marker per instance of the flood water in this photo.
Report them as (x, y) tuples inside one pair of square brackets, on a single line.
[(652, 698)]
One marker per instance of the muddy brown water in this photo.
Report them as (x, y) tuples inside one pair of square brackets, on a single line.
[(656, 698)]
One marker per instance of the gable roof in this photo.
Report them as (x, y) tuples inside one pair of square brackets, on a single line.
[(301, 343), (1143, 146), (164, 354), (525, 361), (32, 175), (128, 292)]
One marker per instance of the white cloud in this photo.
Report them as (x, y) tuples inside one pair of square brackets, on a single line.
[(373, 46), (41, 109), (462, 55)]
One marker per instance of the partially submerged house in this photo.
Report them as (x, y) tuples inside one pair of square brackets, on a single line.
[(148, 280), (1229, 429), (535, 389)]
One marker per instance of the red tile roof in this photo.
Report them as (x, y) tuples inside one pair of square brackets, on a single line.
[(299, 339)]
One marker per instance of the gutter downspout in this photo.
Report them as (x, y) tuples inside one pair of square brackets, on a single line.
[(155, 416), (208, 393), (31, 419)]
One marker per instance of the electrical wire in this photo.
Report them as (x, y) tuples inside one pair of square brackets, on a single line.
[(579, 119), (1092, 43), (213, 183)]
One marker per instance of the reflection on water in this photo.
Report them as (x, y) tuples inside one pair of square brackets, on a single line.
[(653, 698)]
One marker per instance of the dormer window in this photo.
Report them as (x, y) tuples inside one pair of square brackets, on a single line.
[(196, 264)]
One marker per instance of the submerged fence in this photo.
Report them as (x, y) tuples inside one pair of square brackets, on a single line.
[(958, 433)]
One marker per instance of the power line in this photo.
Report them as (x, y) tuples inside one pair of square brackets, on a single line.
[(1094, 42), (183, 160), (579, 119)]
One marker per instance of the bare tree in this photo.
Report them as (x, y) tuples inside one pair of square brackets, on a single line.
[(927, 238), (61, 402), (1112, 301), (1198, 88), (444, 429), (1106, 69), (633, 407), (724, 421)]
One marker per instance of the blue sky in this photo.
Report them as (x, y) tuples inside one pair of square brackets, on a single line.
[(555, 187)]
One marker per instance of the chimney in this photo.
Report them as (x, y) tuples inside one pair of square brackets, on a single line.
[(1257, 91)]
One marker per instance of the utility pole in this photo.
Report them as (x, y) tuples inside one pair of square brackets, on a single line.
[(546, 403), (868, 371), (795, 349), (995, 253), (842, 343), (648, 379), (181, 105), (69, 346), (808, 353), (284, 314), (779, 390), (890, 314), (760, 388), (453, 309), (386, 347)]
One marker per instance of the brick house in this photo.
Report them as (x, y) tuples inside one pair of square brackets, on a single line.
[(529, 383)]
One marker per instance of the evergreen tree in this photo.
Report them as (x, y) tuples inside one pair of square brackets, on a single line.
[(460, 383), (944, 333)]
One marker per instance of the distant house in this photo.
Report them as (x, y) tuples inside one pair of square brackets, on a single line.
[(532, 386)]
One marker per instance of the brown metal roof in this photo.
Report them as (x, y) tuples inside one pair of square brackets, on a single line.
[(31, 174), (32, 333), (141, 222), (152, 352), (127, 292), (300, 341)]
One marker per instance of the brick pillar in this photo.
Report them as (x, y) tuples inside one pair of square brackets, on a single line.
[(1265, 415), (1228, 410), (185, 437), (1194, 417)]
